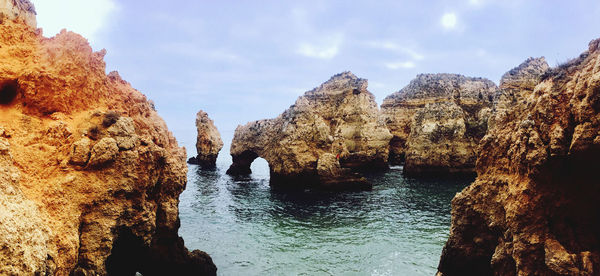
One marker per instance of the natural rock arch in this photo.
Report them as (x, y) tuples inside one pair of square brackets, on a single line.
[(338, 119)]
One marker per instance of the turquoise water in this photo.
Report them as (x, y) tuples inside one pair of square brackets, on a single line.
[(398, 228)]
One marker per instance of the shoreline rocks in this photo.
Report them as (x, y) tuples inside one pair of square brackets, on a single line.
[(340, 118), (208, 143), (90, 175), (533, 209), (437, 121)]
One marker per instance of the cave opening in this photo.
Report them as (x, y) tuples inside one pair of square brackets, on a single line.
[(8, 91), (126, 255)]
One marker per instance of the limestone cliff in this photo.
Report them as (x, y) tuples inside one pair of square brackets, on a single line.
[(21, 10), (437, 122), (340, 117), (534, 209), (89, 174), (208, 143)]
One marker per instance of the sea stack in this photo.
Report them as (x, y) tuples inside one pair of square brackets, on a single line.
[(208, 143), (534, 208), (437, 121), (335, 127), (90, 176)]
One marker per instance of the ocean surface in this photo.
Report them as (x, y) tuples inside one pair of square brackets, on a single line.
[(398, 228)]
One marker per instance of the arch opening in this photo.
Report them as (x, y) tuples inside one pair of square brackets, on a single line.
[(241, 163)]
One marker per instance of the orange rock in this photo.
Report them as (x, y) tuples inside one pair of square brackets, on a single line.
[(118, 213)]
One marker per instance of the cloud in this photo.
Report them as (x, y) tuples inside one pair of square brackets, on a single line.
[(194, 50), (400, 65), (386, 45), (449, 21), (327, 50), (83, 17)]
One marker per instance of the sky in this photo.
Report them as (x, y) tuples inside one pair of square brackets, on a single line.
[(247, 60)]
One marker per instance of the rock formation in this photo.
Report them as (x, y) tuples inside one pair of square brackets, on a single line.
[(534, 209), (208, 143), (338, 118), (437, 122), (89, 174), (18, 10)]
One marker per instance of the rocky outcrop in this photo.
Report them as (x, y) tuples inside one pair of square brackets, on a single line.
[(338, 118), (437, 122), (533, 209), (516, 85), (90, 176), (18, 10), (208, 143)]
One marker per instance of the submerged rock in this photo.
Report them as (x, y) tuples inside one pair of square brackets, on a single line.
[(534, 209), (437, 121), (208, 143), (90, 176), (340, 118)]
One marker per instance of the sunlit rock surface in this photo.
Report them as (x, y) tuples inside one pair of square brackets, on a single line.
[(90, 176)]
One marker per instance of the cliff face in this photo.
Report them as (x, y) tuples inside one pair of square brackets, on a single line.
[(533, 209), (21, 10), (437, 122), (340, 117), (208, 143), (89, 174)]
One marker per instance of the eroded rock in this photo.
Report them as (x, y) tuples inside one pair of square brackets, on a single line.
[(80, 153), (18, 10), (117, 214), (437, 121), (208, 143), (339, 117), (534, 209)]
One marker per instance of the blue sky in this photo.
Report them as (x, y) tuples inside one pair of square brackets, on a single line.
[(247, 60)]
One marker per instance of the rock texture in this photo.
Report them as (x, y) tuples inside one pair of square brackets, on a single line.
[(22, 10), (90, 176), (208, 143), (437, 122), (338, 118), (534, 209)]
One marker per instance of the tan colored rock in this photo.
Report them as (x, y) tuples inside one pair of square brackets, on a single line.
[(437, 121), (18, 9), (338, 117), (104, 151), (533, 209), (24, 237), (208, 143), (62, 218), (123, 131), (80, 153)]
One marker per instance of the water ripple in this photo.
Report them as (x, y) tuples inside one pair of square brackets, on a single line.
[(398, 228)]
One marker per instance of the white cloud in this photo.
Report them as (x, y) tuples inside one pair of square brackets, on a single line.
[(327, 50), (400, 65), (387, 45), (83, 17), (449, 20)]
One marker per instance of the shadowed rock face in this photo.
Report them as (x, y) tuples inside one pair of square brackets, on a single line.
[(90, 175), (534, 209), (208, 143), (340, 118), (437, 122)]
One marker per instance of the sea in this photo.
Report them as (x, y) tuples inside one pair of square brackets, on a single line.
[(398, 228)]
